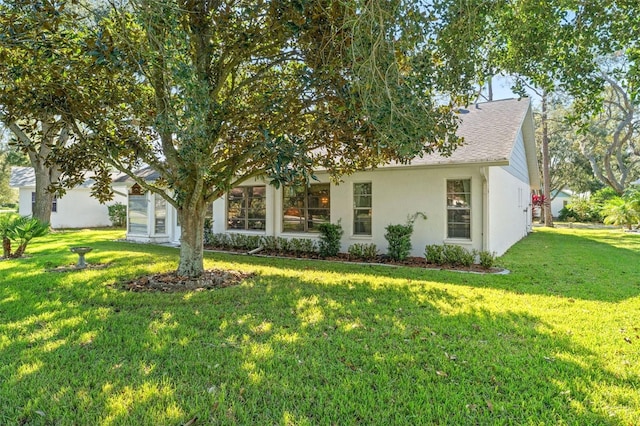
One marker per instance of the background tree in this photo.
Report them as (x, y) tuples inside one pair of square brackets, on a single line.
[(44, 72), (609, 139)]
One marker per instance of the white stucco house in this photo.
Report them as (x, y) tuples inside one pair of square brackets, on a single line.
[(478, 198), (76, 209), (560, 200)]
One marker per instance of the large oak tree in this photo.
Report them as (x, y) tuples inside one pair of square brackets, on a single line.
[(224, 91)]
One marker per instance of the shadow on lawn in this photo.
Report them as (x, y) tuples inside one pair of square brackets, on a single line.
[(281, 349), (571, 266)]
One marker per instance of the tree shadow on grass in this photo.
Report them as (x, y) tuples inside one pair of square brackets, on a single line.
[(570, 266), (282, 349)]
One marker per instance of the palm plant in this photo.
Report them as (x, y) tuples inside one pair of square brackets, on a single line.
[(620, 212), (6, 224), (25, 229)]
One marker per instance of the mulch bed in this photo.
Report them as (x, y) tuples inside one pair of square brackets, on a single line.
[(171, 282)]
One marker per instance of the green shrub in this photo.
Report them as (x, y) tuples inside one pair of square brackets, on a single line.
[(399, 238), (363, 251), (217, 240), (244, 241), (434, 254), (487, 259), (458, 256), (283, 245), (269, 243), (330, 235), (20, 230), (117, 214)]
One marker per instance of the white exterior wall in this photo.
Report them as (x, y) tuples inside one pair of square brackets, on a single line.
[(509, 206), (76, 209), (559, 202), (397, 193)]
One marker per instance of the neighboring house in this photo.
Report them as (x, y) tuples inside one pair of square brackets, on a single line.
[(562, 198), (76, 209), (478, 198)]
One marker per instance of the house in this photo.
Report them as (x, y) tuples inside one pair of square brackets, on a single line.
[(478, 198), (560, 199), (76, 209)]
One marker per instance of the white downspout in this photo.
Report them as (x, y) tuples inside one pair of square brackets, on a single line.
[(484, 172)]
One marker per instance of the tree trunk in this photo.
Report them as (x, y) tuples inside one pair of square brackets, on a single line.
[(546, 208), (43, 198), (6, 247), (191, 240)]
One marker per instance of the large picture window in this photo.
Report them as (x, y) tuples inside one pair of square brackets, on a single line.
[(459, 208), (362, 208), (304, 208), (160, 215), (138, 214), (246, 208)]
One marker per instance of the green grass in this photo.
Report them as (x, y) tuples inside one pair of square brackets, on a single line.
[(306, 342)]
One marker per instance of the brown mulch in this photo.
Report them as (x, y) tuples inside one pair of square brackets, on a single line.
[(171, 282)]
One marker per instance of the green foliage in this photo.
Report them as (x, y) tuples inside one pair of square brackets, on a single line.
[(21, 230), (620, 212), (580, 210), (399, 237), (453, 255), (487, 259), (301, 246), (330, 236), (117, 214), (364, 251)]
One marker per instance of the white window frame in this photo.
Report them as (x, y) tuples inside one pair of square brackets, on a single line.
[(356, 209), (448, 209)]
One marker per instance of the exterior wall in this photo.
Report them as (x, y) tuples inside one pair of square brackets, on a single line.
[(559, 202), (397, 193), (508, 216), (76, 209)]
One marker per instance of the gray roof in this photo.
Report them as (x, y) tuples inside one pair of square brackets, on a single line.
[(22, 176), (489, 130), (25, 177)]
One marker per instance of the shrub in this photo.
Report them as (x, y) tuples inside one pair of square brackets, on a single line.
[(363, 251), (399, 238), (269, 243), (434, 254), (300, 246), (457, 256), (21, 230), (244, 241), (283, 245), (487, 259), (208, 231), (330, 235), (217, 240), (117, 214)]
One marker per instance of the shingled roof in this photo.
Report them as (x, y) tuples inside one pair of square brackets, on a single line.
[(490, 130)]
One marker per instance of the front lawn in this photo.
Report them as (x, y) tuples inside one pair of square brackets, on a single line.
[(557, 341)]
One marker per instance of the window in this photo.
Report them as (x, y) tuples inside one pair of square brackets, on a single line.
[(362, 208), (54, 203), (160, 215), (138, 214), (304, 208), (246, 208), (459, 208)]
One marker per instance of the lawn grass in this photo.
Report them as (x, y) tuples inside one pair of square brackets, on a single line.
[(307, 342)]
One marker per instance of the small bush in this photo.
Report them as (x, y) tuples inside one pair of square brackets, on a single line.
[(434, 254), (283, 245), (269, 243), (458, 256), (330, 235), (487, 259), (453, 255), (117, 214), (363, 251), (300, 246), (399, 239), (244, 241), (217, 240)]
